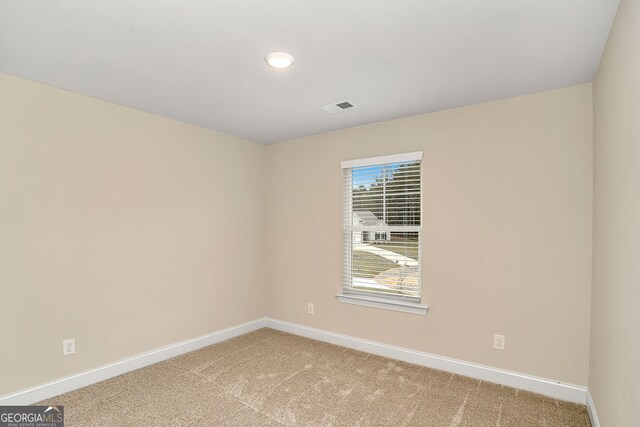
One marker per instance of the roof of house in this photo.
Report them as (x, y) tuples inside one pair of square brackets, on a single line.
[(368, 218)]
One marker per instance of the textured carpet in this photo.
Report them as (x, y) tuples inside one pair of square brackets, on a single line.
[(270, 378)]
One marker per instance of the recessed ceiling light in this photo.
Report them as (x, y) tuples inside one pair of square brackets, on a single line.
[(279, 59)]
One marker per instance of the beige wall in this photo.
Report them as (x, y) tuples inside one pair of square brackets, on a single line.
[(507, 232), (128, 231), (614, 379), (124, 230)]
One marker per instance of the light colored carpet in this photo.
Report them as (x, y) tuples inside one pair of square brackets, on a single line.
[(270, 378)]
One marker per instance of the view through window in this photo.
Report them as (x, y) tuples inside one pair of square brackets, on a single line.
[(382, 228)]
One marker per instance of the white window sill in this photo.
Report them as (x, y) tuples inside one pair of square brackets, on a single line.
[(387, 304)]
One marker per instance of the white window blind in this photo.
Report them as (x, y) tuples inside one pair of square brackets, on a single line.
[(383, 226)]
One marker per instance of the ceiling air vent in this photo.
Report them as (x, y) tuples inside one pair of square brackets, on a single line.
[(338, 106)]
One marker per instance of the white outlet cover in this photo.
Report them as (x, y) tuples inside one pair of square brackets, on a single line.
[(498, 342), (68, 346)]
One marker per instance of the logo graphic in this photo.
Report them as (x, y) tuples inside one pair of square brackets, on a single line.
[(31, 416)]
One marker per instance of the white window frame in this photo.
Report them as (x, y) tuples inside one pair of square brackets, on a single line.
[(350, 296)]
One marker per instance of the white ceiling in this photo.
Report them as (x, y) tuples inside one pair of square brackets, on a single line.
[(202, 61)]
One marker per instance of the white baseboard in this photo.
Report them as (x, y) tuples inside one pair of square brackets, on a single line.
[(543, 386), (83, 379), (555, 389), (591, 408)]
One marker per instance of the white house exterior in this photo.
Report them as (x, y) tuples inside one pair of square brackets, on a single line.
[(367, 218)]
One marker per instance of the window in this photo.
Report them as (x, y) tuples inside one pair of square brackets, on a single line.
[(383, 232), (381, 235)]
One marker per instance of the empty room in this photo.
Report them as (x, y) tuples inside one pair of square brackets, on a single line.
[(320, 213)]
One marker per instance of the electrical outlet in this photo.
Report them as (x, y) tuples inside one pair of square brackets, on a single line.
[(310, 308), (498, 342), (68, 347)]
